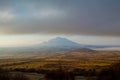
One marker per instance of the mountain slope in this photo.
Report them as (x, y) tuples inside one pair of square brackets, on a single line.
[(57, 44), (86, 53), (60, 42), (85, 50), (52, 47)]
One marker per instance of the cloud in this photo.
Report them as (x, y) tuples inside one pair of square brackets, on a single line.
[(6, 16), (94, 17)]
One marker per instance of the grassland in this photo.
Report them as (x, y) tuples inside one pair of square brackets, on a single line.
[(54, 63), (65, 63)]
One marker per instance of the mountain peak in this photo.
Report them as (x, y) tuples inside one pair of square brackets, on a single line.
[(61, 42), (60, 39)]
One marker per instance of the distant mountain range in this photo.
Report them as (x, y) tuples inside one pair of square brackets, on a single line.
[(53, 46), (64, 44)]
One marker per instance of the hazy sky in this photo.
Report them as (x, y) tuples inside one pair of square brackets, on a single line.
[(25, 22)]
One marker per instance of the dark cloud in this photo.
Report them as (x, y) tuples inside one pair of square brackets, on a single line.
[(77, 17)]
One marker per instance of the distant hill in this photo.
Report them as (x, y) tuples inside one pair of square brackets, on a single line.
[(86, 53), (85, 50), (59, 42), (53, 47), (66, 44), (80, 53)]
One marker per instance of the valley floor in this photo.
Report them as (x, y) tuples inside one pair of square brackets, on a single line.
[(77, 66)]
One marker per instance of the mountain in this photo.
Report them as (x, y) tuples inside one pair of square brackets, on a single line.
[(66, 43), (53, 46), (58, 44)]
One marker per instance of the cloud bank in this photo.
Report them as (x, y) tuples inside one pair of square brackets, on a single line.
[(76, 17)]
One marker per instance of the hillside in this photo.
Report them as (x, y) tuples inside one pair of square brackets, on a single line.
[(86, 53), (53, 47)]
